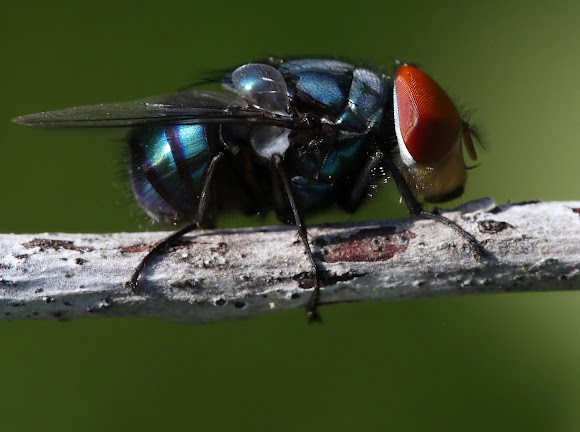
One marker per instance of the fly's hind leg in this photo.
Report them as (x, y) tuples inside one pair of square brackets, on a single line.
[(161, 247), (312, 305)]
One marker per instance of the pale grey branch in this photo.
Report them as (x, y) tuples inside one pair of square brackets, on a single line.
[(219, 275)]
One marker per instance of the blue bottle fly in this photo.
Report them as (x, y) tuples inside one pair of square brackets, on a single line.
[(289, 136)]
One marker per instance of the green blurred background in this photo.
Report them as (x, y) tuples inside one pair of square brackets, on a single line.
[(481, 363)]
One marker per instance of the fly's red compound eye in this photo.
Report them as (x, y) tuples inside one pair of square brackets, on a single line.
[(426, 121)]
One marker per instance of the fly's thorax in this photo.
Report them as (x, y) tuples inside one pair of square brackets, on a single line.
[(342, 95)]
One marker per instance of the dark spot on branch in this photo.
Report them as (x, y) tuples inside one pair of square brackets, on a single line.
[(135, 248), (239, 304), (195, 285), (331, 279), (220, 302), (48, 299), (80, 261), (305, 280), (220, 248), (44, 244), (492, 226)]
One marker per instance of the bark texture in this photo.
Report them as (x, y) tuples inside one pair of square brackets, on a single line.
[(231, 274)]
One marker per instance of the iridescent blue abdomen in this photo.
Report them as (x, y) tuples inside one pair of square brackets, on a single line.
[(168, 166)]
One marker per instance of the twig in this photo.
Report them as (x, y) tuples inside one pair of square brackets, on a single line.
[(219, 275)]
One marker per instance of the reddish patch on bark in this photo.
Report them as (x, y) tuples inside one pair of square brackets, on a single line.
[(379, 244), (576, 210)]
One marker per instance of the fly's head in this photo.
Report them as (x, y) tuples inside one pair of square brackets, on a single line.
[(431, 136)]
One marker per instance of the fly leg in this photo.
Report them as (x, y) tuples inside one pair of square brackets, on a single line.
[(415, 208), (164, 244), (361, 184), (312, 305)]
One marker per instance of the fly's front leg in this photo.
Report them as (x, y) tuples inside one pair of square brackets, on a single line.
[(415, 208), (312, 305), (361, 183), (162, 246)]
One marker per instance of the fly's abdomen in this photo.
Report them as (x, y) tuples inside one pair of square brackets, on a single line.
[(168, 168)]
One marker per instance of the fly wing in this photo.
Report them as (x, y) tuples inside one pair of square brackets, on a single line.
[(188, 107)]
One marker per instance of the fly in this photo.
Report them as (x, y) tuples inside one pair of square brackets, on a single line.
[(294, 137)]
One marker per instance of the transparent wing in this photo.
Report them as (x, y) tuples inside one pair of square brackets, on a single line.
[(188, 107)]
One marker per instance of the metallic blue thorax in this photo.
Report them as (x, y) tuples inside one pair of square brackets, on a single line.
[(352, 99)]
